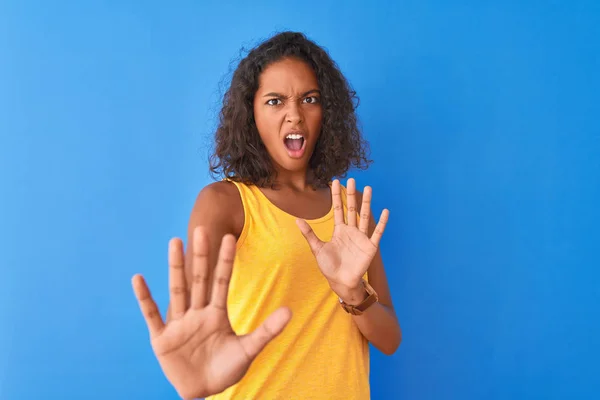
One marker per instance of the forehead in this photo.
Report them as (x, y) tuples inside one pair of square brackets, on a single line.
[(289, 74)]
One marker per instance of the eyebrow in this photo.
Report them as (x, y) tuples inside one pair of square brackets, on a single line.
[(275, 94)]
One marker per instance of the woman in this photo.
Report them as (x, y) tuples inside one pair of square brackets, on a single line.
[(284, 237)]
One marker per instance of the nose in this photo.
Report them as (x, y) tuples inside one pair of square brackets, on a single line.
[(294, 114)]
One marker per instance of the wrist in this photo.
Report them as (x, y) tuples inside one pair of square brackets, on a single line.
[(352, 295)]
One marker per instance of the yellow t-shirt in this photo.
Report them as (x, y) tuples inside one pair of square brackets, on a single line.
[(321, 354)]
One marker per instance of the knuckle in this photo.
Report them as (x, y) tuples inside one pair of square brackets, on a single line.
[(266, 333), (222, 281), (144, 298), (198, 278), (178, 290)]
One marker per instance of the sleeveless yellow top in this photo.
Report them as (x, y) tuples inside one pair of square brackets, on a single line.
[(321, 354)]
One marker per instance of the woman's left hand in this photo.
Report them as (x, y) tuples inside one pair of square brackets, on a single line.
[(346, 258)]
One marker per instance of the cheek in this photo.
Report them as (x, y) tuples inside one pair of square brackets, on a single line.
[(315, 120), (267, 124)]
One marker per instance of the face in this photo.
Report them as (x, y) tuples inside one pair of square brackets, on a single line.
[(288, 113)]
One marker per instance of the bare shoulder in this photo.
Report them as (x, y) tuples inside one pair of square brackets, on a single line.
[(222, 191), (218, 207)]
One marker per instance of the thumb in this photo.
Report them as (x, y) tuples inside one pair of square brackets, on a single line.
[(254, 342), (313, 241)]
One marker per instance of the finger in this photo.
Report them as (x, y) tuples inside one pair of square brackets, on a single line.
[(253, 343), (200, 269), (351, 201), (365, 211), (223, 272), (313, 241), (147, 306), (336, 198), (177, 282), (380, 228)]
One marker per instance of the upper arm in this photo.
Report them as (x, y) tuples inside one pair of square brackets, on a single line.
[(219, 211), (377, 276)]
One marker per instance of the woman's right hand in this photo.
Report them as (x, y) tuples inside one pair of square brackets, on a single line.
[(197, 349)]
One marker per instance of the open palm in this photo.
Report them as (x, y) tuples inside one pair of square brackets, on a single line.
[(197, 349), (347, 256)]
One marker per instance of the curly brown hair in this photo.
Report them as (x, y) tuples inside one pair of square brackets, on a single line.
[(239, 152)]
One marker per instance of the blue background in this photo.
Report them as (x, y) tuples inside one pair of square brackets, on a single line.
[(483, 122)]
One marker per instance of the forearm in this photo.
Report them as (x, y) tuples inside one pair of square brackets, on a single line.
[(378, 323), (380, 326)]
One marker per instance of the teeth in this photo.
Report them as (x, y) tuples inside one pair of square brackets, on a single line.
[(294, 136)]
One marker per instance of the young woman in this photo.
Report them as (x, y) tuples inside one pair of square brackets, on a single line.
[(278, 236)]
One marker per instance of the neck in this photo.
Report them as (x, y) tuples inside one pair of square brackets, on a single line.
[(298, 180)]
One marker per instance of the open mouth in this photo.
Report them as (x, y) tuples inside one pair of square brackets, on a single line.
[(294, 142)]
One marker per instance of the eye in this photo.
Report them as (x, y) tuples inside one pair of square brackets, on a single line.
[(312, 100), (274, 102)]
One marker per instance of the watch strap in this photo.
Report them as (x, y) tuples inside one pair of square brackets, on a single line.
[(359, 309)]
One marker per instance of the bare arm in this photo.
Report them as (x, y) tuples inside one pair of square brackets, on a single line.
[(197, 350), (353, 251), (378, 323), (218, 209)]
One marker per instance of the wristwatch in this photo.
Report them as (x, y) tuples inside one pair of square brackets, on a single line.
[(371, 299)]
